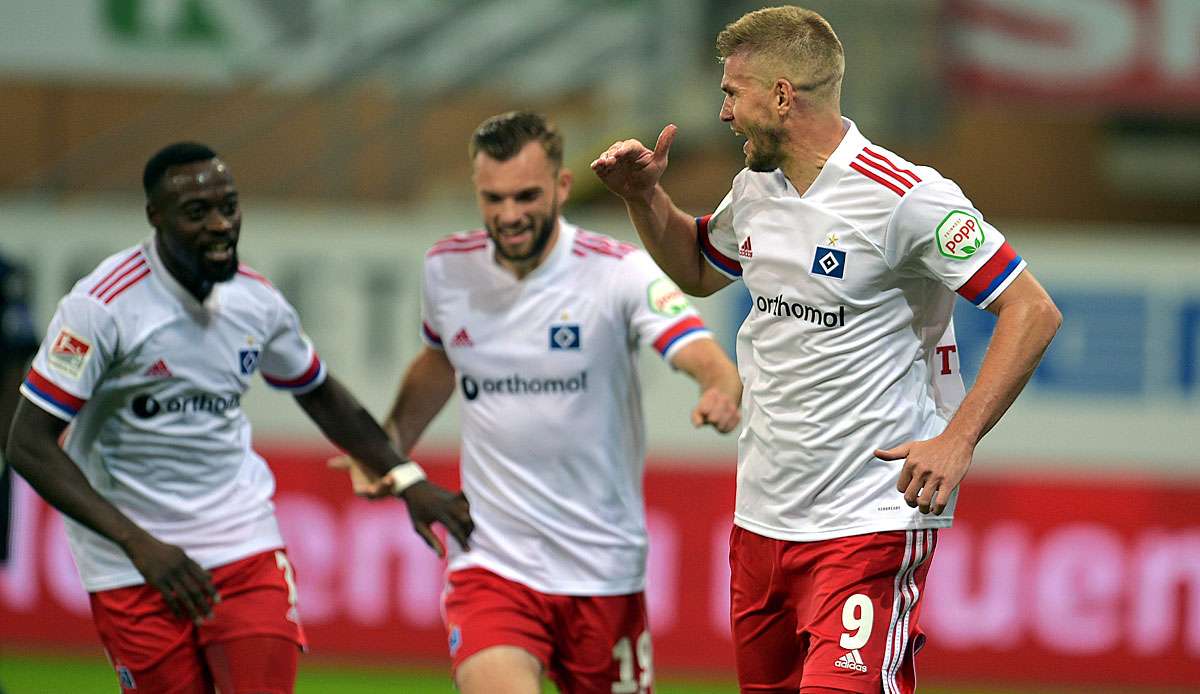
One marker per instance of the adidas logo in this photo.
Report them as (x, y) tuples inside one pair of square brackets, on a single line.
[(851, 661), (746, 251), (462, 339), (158, 370)]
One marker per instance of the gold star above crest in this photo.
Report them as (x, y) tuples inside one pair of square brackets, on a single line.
[(832, 240), (564, 316)]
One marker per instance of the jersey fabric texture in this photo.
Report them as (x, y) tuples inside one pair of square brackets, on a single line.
[(553, 442), (848, 345), (151, 381)]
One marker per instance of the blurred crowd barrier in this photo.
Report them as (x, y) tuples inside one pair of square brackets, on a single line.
[(1098, 575)]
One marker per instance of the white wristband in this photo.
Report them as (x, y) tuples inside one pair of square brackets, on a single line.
[(404, 476)]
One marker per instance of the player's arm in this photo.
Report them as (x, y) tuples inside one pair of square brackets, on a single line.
[(426, 388), (632, 171), (348, 424), (34, 453), (427, 385), (720, 385), (1026, 321)]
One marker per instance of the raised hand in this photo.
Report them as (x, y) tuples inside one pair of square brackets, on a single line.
[(630, 169), (187, 588), (427, 503)]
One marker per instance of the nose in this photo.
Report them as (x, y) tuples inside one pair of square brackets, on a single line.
[(726, 114), (509, 213), (216, 221)]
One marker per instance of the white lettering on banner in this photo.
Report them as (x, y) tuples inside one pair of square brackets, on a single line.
[(1077, 583), (1098, 37), (662, 574), (1079, 590), (1179, 48), (1142, 51), (314, 543), (719, 581), (380, 537), (976, 602), (1169, 564)]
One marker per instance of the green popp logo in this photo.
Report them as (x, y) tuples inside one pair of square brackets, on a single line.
[(959, 235)]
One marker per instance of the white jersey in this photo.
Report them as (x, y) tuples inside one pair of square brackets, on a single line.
[(848, 346), (151, 381), (553, 441)]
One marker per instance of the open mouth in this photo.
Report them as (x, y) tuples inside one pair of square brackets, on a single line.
[(219, 252)]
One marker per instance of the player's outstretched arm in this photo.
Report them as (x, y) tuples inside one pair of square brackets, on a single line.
[(632, 171), (348, 424), (427, 385), (34, 453), (1026, 321), (720, 385)]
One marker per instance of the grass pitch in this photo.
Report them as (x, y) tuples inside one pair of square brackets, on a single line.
[(74, 673)]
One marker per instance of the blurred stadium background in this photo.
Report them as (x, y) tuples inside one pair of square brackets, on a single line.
[(1073, 124)]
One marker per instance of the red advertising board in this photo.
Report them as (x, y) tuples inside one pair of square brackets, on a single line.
[(1102, 578), (1141, 53)]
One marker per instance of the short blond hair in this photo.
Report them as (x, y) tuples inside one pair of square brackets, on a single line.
[(795, 41)]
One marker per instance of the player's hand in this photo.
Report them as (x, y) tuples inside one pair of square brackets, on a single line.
[(718, 409), (187, 588), (427, 503), (630, 169), (932, 470), (363, 480)]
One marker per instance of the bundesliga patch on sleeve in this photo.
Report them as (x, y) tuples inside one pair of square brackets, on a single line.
[(69, 354), (666, 298), (959, 235)]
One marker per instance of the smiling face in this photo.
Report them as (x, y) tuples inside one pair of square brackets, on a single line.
[(195, 210), (519, 199), (749, 110)]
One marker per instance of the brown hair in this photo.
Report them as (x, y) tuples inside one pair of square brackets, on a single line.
[(796, 42), (502, 136)]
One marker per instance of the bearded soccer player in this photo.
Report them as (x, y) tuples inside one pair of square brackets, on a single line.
[(539, 322), (168, 509), (857, 433)]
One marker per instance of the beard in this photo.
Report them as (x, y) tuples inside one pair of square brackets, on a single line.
[(766, 151), (541, 237), (219, 272)]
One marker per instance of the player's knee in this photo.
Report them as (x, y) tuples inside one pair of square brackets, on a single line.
[(499, 670)]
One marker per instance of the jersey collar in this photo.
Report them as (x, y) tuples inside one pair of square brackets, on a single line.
[(558, 253), (838, 162)]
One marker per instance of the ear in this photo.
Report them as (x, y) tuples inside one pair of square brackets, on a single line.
[(783, 95), (153, 215), (563, 184)]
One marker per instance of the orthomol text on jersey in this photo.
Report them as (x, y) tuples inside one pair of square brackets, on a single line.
[(517, 384), (785, 308), (147, 406)]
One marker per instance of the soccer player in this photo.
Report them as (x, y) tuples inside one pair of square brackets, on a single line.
[(853, 448), (168, 508), (538, 322)]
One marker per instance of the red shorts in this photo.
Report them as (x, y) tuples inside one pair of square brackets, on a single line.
[(585, 644), (150, 647), (838, 613)]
